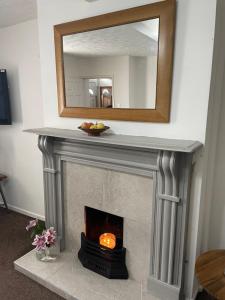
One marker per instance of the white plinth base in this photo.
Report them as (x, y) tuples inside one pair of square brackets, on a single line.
[(69, 279)]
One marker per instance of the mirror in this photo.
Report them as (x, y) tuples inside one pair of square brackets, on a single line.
[(112, 68), (117, 66)]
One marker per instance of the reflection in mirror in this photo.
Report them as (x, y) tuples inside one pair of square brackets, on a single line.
[(112, 67)]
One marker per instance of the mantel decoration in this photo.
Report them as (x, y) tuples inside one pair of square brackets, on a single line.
[(43, 239), (93, 129)]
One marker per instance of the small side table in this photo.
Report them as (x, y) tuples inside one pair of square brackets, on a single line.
[(2, 178), (209, 269)]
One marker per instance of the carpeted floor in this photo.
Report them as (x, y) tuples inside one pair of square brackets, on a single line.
[(15, 242)]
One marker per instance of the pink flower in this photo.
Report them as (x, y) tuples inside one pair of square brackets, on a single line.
[(31, 224), (39, 242), (50, 236), (46, 239)]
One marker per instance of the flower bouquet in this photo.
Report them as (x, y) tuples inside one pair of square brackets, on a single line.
[(43, 239)]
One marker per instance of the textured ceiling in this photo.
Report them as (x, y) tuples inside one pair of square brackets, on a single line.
[(137, 39), (16, 11)]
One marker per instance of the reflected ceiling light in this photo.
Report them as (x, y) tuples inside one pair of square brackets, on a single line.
[(91, 92), (90, 0)]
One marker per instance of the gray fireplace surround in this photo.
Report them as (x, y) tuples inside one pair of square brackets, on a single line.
[(168, 162)]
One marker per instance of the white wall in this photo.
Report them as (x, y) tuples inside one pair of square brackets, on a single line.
[(74, 85), (143, 76), (217, 217), (137, 83), (151, 80), (213, 195), (192, 65), (216, 237), (20, 158)]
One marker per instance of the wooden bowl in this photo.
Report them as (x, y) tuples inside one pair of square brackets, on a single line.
[(94, 132)]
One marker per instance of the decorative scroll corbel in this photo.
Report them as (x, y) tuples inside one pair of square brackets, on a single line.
[(49, 170)]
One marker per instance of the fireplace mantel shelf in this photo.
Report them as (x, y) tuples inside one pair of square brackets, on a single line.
[(126, 141)]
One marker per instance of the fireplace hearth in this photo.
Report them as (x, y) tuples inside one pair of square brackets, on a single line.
[(102, 248)]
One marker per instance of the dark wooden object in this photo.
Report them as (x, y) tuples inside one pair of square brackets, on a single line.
[(2, 178), (209, 268)]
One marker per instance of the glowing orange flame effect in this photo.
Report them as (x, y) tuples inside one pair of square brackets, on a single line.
[(108, 240)]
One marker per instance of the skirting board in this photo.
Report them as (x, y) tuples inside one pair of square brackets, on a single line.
[(171, 293), (196, 290), (25, 212), (162, 290)]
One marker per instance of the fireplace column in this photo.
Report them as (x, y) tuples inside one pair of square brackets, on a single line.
[(170, 215), (52, 188)]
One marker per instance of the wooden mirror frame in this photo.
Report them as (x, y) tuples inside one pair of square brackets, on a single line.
[(165, 11)]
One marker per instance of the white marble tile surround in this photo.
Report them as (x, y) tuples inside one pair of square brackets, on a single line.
[(129, 196), (125, 195)]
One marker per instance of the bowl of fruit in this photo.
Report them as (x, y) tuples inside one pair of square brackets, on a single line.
[(93, 129)]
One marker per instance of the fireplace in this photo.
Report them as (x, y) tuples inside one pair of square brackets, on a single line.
[(145, 181), (102, 248)]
